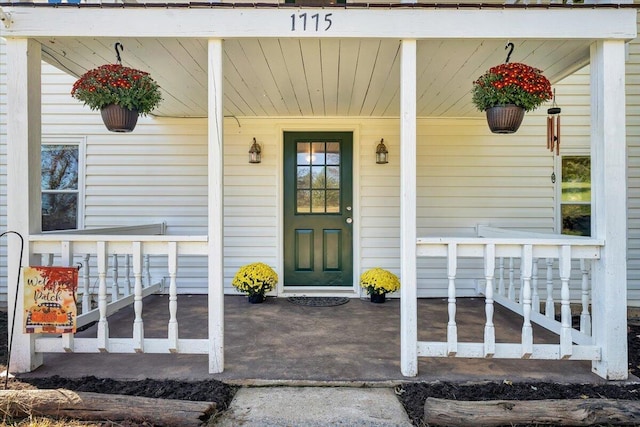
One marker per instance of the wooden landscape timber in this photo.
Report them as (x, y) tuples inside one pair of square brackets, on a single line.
[(564, 412), (67, 404)]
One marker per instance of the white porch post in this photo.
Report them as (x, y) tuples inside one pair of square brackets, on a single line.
[(23, 181), (408, 233), (608, 177), (215, 223)]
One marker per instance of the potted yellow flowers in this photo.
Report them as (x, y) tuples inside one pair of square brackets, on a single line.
[(255, 279), (378, 282)]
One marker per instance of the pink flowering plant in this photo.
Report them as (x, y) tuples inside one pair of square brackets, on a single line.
[(511, 83), (116, 84)]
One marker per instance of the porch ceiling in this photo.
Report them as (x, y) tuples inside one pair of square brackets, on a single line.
[(315, 77)]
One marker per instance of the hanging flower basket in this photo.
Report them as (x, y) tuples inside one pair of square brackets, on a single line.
[(120, 93), (515, 88)]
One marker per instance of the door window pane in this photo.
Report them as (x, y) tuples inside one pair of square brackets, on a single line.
[(322, 177)]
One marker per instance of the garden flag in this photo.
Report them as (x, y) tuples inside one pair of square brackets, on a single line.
[(50, 300)]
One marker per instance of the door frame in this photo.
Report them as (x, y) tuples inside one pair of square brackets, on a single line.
[(354, 290)]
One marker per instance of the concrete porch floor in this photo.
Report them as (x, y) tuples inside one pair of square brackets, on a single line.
[(278, 342)]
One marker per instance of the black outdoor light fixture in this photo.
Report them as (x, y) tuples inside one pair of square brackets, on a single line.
[(382, 155), (254, 152)]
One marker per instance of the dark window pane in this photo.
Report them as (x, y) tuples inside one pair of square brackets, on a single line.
[(333, 176), (317, 201), (304, 177), (59, 167), (576, 220), (303, 201), (304, 153), (576, 179), (318, 180), (333, 201), (59, 211)]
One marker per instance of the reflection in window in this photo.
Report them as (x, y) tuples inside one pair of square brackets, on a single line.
[(59, 184), (575, 202), (318, 177)]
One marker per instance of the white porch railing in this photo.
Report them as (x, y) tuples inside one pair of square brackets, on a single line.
[(136, 250), (511, 278)]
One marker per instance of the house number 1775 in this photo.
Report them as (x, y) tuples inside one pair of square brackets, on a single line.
[(304, 22)]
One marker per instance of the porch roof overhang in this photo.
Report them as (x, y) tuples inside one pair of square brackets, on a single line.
[(316, 61)]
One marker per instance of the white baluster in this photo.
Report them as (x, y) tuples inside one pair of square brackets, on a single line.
[(526, 267), (511, 294), (115, 291), (147, 269), (173, 297), (535, 300), (501, 288), (452, 329), (127, 273), (585, 316), (566, 346), (549, 310), (66, 258), (138, 326), (103, 325), (86, 284), (489, 271)]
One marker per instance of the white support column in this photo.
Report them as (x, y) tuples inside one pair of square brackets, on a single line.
[(23, 183), (408, 230), (608, 179), (215, 196)]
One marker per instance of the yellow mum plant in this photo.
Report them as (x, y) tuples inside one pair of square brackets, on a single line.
[(255, 279), (379, 281)]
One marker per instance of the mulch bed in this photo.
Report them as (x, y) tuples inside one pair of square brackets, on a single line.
[(412, 395)]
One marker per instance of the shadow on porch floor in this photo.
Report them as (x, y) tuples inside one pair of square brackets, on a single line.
[(280, 342)]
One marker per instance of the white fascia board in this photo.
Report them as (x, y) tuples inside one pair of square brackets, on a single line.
[(416, 23)]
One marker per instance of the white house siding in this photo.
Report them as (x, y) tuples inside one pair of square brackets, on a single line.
[(633, 171), (3, 173)]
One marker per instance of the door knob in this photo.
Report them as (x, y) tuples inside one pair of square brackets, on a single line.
[(349, 220)]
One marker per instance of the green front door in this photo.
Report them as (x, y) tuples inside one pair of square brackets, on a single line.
[(318, 213)]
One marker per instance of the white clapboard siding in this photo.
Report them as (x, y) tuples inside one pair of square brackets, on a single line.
[(633, 171), (3, 173)]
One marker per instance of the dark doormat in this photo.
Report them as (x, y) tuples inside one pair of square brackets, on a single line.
[(319, 301)]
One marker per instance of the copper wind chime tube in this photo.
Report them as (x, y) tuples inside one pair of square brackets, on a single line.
[(553, 127)]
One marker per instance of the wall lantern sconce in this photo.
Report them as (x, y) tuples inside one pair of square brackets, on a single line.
[(382, 155), (254, 152)]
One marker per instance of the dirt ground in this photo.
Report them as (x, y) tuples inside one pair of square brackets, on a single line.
[(412, 395)]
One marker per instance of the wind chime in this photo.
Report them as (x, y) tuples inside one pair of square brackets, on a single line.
[(553, 127)]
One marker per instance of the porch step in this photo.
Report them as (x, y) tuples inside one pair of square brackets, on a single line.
[(314, 407)]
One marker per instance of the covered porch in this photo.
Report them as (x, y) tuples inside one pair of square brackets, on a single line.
[(599, 35)]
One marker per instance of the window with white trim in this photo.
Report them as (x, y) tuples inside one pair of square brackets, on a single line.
[(575, 195), (62, 181)]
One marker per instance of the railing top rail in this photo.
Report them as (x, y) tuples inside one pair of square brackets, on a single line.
[(148, 229), (560, 241), (487, 231), (113, 238)]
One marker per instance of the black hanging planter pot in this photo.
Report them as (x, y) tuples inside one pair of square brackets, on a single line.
[(505, 118), (119, 119)]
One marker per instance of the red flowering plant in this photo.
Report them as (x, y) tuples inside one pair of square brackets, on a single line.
[(511, 83), (115, 84)]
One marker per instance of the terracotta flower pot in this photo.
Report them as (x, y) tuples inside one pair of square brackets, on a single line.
[(505, 118), (119, 119)]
